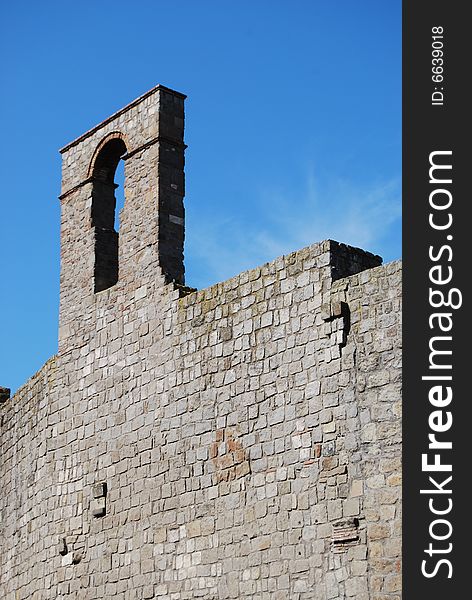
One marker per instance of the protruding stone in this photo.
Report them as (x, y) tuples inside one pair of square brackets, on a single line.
[(98, 503), (63, 547)]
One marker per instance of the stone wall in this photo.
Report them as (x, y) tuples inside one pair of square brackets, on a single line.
[(242, 441), (248, 436)]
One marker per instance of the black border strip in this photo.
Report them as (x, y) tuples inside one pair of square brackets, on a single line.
[(435, 130)]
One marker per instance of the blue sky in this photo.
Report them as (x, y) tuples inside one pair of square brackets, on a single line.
[(293, 127)]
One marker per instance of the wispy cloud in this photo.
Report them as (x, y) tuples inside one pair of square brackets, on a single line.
[(284, 221)]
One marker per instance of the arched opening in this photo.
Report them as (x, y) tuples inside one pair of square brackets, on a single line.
[(103, 213), (119, 192)]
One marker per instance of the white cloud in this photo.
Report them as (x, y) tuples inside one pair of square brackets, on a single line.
[(283, 221)]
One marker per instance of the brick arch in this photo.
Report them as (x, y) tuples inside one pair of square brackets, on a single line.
[(114, 135)]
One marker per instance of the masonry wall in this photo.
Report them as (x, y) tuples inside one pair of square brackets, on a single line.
[(248, 436), (241, 441)]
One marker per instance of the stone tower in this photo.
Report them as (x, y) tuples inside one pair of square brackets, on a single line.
[(99, 264), (241, 441)]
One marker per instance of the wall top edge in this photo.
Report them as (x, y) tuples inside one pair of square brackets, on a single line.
[(157, 88)]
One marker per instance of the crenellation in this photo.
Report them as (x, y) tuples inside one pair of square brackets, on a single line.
[(241, 441)]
